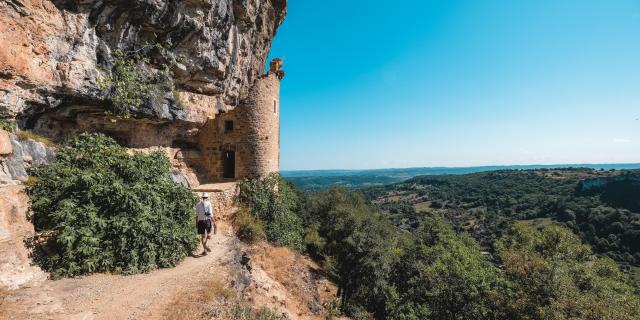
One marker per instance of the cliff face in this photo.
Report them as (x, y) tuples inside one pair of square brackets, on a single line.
[(53, 53), (621, 191)]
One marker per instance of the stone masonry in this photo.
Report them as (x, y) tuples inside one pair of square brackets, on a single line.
[(246, 140)]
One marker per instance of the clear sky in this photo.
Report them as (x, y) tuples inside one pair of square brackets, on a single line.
[(375, 84)]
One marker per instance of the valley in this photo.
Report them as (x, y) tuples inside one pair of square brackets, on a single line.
[(603, 207)]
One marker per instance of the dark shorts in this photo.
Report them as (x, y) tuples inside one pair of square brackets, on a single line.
[(204, 225)]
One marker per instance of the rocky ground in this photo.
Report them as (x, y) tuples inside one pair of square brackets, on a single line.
[(105, 296)]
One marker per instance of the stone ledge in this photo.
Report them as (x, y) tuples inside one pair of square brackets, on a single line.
[(215, 187)]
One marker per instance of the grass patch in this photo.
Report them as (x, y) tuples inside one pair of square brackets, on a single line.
[(215, 300), (24, 135), (423, 206)]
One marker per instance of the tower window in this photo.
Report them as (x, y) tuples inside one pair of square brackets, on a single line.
[(275, 106), (228, 126)]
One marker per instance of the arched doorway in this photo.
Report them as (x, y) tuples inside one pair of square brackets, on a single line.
[(228, 164)]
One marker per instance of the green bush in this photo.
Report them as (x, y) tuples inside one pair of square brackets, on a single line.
[(104, 210), (250, 229), (7, 121), (128, 84), (7, 125), (273, 203), (313, 242), (133, 81)]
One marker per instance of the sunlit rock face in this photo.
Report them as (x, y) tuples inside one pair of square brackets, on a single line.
[(53, 52)]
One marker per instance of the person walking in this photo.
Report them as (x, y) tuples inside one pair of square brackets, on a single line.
[(205, 221)]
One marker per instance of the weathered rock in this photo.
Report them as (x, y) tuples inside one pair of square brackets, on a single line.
[(16, 268), (26, 152), (5, 143), (51, 53), (179, 177)]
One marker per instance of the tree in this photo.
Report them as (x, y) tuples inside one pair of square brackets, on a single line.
[(442, 275), (553, 275)]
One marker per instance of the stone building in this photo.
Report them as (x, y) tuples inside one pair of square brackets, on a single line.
[(54, 56), (245, 141)]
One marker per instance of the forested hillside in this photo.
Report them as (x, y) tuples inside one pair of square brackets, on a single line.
[(601, 206), (435, 272)]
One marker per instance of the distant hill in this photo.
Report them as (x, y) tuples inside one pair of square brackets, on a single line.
[(322, 179)]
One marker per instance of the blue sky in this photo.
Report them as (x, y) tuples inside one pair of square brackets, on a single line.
[(375, 84)]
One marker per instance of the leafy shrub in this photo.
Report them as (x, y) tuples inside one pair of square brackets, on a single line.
[(272, 202), (332, 309), (313, 242), (128, 84), (267, 314), (131, 82), (7, 125), (104, 210), (250, 229), (7, 121)]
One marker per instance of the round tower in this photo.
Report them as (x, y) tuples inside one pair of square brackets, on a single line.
[(262, 124)]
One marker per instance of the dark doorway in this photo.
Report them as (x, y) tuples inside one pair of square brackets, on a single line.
[(229, 165)]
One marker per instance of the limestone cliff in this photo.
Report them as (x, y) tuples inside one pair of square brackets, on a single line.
[(52, 53)]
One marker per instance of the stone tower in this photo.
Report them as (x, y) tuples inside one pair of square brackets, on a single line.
[(262, 120), (245, 142)]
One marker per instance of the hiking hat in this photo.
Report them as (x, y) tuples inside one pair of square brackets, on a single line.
[(205, 195)]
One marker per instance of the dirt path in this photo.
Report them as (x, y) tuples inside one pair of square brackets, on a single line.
[(276, 278), (105, 296)]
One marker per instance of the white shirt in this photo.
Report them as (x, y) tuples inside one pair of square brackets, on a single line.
[(204, 210)]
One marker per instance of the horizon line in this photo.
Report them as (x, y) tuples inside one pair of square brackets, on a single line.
[(472, 166)]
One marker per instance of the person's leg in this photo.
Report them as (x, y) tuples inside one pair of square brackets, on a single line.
[(205, 240), (208, 237), (205, 247), (203, 236)]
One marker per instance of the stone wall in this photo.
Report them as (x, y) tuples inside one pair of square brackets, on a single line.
[(222, 197), (223, 202), (254, 139)]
